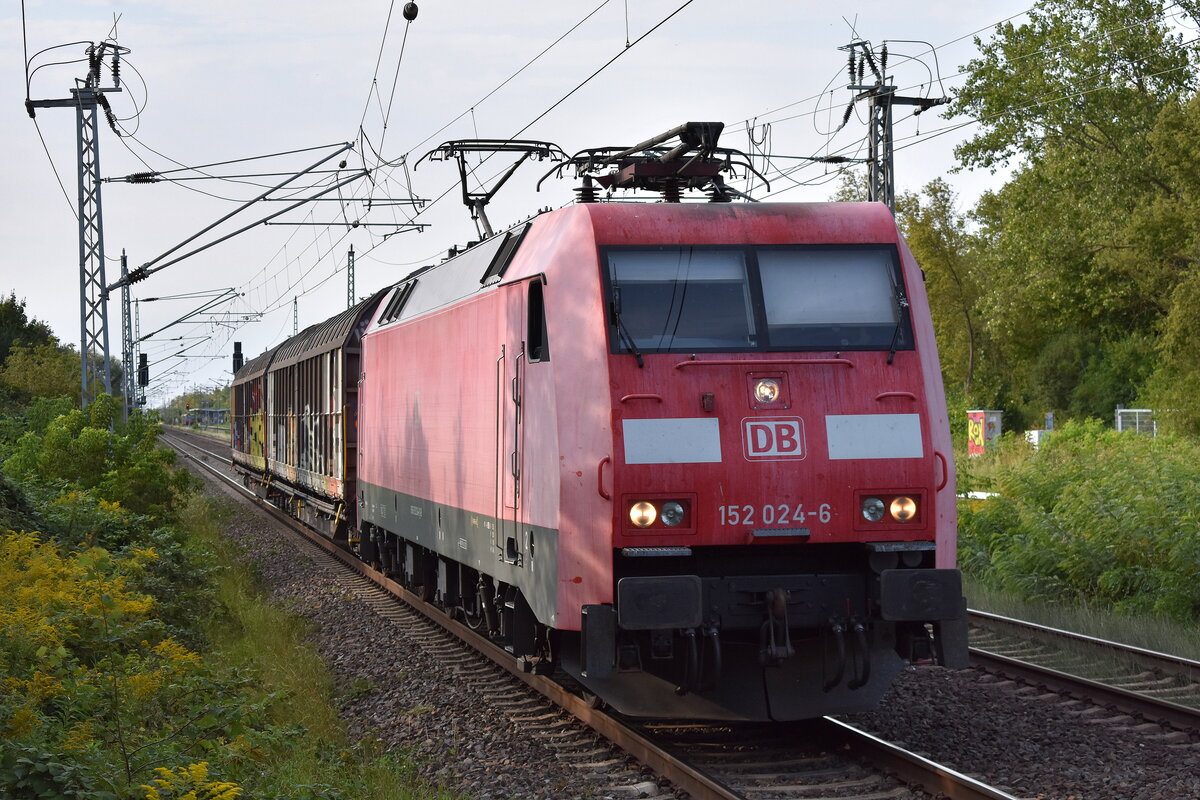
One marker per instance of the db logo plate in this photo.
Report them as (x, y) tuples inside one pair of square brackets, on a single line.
[(773, 438)]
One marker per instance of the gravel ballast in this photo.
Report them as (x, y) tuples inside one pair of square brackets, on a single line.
[(1034, 744), (398, 694)]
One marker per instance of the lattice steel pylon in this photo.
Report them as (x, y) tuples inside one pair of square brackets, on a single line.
[(129, 377), (881, 178), (86, 98), (882, 181), (93, 305)]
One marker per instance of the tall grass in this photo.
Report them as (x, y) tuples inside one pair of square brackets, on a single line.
[(296, 685), (1149, 632)]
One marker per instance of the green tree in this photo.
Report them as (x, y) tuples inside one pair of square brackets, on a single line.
[(119, 462), (44, 370), (1081, 246), (939, 238), (1169, 248), (1079, 76), (17, 328)]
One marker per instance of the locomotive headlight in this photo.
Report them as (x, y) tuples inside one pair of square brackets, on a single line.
[(903, 509), (643, 514), (872, 509), (766, 390), (672, 514)]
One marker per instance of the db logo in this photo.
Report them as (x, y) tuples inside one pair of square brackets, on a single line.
[(773, 438)]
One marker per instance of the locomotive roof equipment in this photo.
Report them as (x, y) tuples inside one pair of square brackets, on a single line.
[(695, 163), (477, 200)]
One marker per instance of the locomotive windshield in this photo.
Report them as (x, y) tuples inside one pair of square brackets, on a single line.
[(688, 299), (683, 298)]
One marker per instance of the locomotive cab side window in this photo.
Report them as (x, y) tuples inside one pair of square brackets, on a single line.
[(537, 341), (727, 299)]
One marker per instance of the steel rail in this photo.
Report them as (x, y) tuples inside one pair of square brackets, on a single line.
[(1125, 700), (915, 770), (1151, 657)]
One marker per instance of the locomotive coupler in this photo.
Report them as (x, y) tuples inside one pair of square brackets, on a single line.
[(775, 644)]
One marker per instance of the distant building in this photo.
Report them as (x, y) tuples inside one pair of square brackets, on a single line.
[(1139, 420), (208, 417)]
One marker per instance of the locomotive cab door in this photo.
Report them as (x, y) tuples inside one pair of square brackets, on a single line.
[(510, 372)]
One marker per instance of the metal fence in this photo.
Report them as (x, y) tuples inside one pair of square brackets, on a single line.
[(1138, 420)]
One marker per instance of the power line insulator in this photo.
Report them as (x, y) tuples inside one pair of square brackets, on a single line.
[(410, 11)]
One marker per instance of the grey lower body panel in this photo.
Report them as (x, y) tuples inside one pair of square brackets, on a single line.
[(525, 556)]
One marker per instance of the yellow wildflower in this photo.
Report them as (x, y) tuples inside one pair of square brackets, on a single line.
[(176, 653), (21, 723), (190, 783), (80, 737)]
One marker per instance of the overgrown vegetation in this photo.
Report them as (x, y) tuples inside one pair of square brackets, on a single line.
[(100, 701), (1091, 517), (251, 634), (136, 659), (33, 363)]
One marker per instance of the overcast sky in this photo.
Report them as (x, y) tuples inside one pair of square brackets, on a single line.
[(221, 80)]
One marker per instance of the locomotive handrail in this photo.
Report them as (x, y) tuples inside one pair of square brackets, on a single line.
[(945, 471), (655, 397), (600, 478), (787, 361), (883, 395)]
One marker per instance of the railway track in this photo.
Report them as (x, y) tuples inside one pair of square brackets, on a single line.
[(1154, 686), (820, 759)]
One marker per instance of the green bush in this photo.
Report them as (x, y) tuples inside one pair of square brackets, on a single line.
[(96, 693), (1093, 516), (122, 674), (30, 772), (88, 450)]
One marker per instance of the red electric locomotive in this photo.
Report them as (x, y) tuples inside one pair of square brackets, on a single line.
[(696, 455)]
